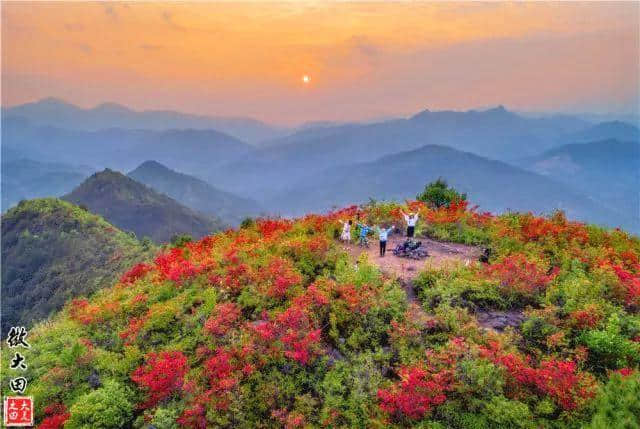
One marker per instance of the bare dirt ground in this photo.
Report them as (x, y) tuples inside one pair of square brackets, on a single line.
[(440, 255), (404, 269)]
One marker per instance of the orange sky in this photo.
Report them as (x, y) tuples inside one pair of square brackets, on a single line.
[(364, 60)]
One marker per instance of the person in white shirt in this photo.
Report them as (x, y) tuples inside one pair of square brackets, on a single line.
[(383, 233), (411, 219), (346, 231)]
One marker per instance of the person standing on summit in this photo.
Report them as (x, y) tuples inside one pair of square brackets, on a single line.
[(411, 219), (364, 230), (383, 233), (346, 231)]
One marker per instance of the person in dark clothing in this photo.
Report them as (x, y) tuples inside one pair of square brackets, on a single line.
[(411, 220)]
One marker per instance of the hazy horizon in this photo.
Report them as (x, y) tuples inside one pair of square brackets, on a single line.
[(362, 61), (632, 117)]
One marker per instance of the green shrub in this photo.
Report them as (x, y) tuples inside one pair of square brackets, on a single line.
[(536, 330), (503, 413), (609, 349), (618, 404), (108, 407), (247, 223), (165, 418)]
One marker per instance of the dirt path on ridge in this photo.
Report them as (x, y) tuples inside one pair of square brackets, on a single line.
[(404, 269)]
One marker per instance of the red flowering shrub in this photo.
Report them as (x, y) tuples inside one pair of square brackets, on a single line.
[(516, 273), (451, 213), (225, 369), (296, 332), (631, 282), (555, 229), (588, 317), (357, 299), (138, 271), (193, 417), (279, 276), (173, 266), (270, 228), (625, 372), (423, 386), (56, 416), (294, 328), (630, 260), (83, 312), (537, 228), (221, 371), (130, 334), (225, 316), (418, 391), (161, 376), (318, 246), (288, 420), (557, 379), (314, 295), (236, 277)]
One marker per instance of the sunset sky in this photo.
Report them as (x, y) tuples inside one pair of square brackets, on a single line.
[(361, 60)]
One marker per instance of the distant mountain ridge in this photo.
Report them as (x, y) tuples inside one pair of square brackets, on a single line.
[(58, 113), (195, 151), (606, 170), (195, 193), (132, 206), (617, 130), (495, 185), (24, 179), (282, 165), (494, 133)]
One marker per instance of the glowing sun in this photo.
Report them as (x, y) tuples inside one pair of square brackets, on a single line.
[(306, 79)]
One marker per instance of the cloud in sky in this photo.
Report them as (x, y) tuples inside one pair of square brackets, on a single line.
[(365, 59)]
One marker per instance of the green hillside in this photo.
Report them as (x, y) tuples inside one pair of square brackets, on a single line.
[(132, 206), (52, 251), (275, 325)]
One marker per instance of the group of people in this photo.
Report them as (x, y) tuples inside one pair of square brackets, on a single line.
[(383, 231)]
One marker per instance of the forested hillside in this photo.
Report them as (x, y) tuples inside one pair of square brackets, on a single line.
[(53, 251), (132, 206)]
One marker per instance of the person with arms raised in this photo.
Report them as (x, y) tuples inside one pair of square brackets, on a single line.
[(411, 219)]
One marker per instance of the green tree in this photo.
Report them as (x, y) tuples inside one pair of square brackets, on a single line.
[(439, 194)]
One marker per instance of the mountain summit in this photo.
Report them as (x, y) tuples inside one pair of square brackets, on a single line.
[(195, 193), (132, 206)]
